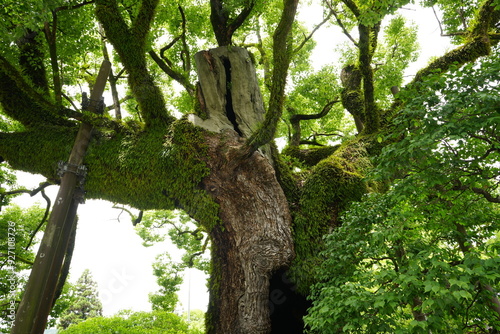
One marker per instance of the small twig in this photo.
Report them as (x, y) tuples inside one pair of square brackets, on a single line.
[(344, 30), (307, 38), (66, 97), (32, 193), (44, 219), (441, 27), (439, 22), (203, 249), (75, 6), (17, 258), (132, 216)]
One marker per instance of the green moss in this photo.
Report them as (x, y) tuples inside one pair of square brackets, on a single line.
[(38, 150), (333, 184), (285, 177), (214, 286), (310, 156), (153, 170)]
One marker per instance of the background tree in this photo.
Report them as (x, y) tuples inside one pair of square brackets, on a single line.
[(196, 321), (85, 303), (155, 322), (219, 163), (156, 227)]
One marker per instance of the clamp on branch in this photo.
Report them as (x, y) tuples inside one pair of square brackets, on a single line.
[(80, 171)]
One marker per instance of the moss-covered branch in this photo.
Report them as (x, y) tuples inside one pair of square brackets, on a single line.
[(282, 52), (333, 183), (130, 44), (22, 102), (50, 31), (367, 45), (154, 169), (477, 43), (31, 59)]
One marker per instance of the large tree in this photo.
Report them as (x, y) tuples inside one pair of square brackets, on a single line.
[(209, 148)]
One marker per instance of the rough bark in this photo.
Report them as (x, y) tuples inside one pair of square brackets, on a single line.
[(254, 237), (253, 241)]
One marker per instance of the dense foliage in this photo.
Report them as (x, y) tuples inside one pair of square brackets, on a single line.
[(425, 254), (156, 322)]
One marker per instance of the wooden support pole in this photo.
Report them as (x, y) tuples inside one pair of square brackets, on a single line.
[(35, 306)]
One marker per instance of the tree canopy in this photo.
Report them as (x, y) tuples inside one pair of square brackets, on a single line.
[(200, 91)]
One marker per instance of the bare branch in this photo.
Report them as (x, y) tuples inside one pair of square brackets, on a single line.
[(297, 49), (480, 191), (344, 29), (203, 249), (42, 222), (296, 118), (32, 192), (172, 73)]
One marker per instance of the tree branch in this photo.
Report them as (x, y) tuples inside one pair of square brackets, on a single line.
[(203, 249), (297, 49), (50, 37), (282, 52), (42, 222), (18, 258), (22, 102), (480, 191), (296, 118), (32, 193), (478, 43), (220, 21), (172, 73), (342, 26), (352, 7), (367, 45), (112, 79), (74, 6), (130, 45), (167, 66), (142, 23)]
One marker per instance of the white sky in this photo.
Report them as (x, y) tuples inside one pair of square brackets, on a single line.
[(113, 252)]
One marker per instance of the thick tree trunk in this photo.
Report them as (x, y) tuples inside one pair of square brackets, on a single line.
[(254, 237), (253, 241)]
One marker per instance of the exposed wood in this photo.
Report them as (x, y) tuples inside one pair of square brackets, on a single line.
[(230, 90)]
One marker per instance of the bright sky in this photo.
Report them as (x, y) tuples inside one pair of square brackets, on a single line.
[(113, 252)]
